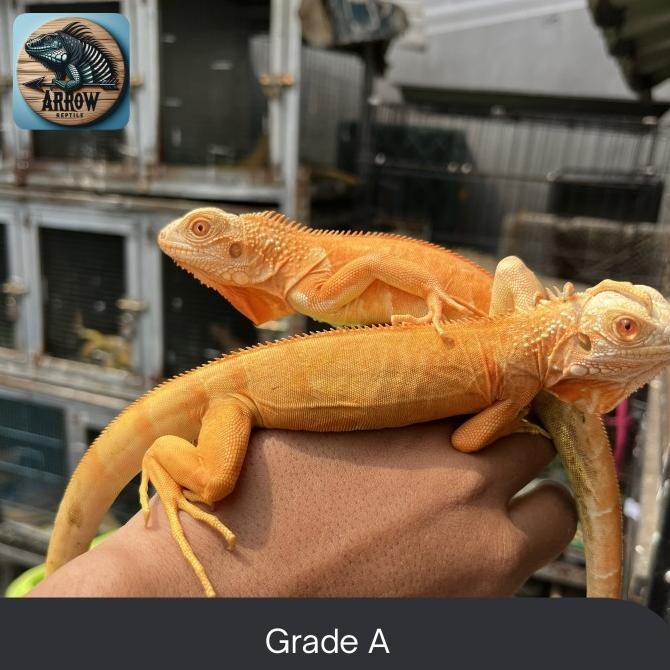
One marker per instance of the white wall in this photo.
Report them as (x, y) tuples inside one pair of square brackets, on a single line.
[(543, 47)]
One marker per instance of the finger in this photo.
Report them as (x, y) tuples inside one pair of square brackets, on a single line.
[(515, 460), (547, 520)]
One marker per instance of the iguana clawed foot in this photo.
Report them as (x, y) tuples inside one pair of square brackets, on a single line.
[(173, 498), (436, 302)]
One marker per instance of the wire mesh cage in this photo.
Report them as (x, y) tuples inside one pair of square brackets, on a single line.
[(588, 250), (83, 277), (79, 145), (458, 176), (620, 196), (3, 131), (228, 128), (330, 94)]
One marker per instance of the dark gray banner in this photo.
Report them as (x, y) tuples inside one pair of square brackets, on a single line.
[(356, 633)]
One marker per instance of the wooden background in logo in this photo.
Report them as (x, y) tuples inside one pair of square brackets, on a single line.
[(28, 68)]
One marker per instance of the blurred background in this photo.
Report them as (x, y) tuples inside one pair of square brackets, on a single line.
[(528, 127)]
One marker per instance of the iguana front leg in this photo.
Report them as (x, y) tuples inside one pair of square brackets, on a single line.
[(74, 81), (500, 419), (582, 444), (209, 472), (323, 296), (514, 287)]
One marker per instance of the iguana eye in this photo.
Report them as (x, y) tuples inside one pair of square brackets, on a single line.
[(200, 227), (627, 328)]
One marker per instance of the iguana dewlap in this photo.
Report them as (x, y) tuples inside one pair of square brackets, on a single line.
[(268, 266), (614, 337)]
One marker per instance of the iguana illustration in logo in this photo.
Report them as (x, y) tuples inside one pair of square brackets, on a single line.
[(76, 56)]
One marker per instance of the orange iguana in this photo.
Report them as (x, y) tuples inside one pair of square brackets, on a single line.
[(267, 267), (579, 346)]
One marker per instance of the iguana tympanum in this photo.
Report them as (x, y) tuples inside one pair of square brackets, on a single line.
[(267, 267)]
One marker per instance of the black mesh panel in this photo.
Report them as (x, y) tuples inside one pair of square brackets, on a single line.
[(82, 278), (211, 102)]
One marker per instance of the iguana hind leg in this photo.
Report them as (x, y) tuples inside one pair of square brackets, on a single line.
[(173, 500), (209, 471), (515, 286), (324, 297)]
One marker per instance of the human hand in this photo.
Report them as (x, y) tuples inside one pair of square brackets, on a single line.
[(375, 513)]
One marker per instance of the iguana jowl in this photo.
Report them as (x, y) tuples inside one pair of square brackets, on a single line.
[(73, 52)]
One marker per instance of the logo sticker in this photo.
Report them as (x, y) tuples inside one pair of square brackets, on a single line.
[(71, 71)]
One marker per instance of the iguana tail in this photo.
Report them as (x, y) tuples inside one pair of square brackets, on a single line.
[(583, 446), (108, 465), (113, 459)]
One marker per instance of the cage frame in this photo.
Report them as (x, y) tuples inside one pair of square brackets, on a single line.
[(139, 280), (142, 273)]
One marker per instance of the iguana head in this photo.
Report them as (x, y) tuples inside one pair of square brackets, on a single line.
[(617, 338), (50, 49), (225, 252)]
